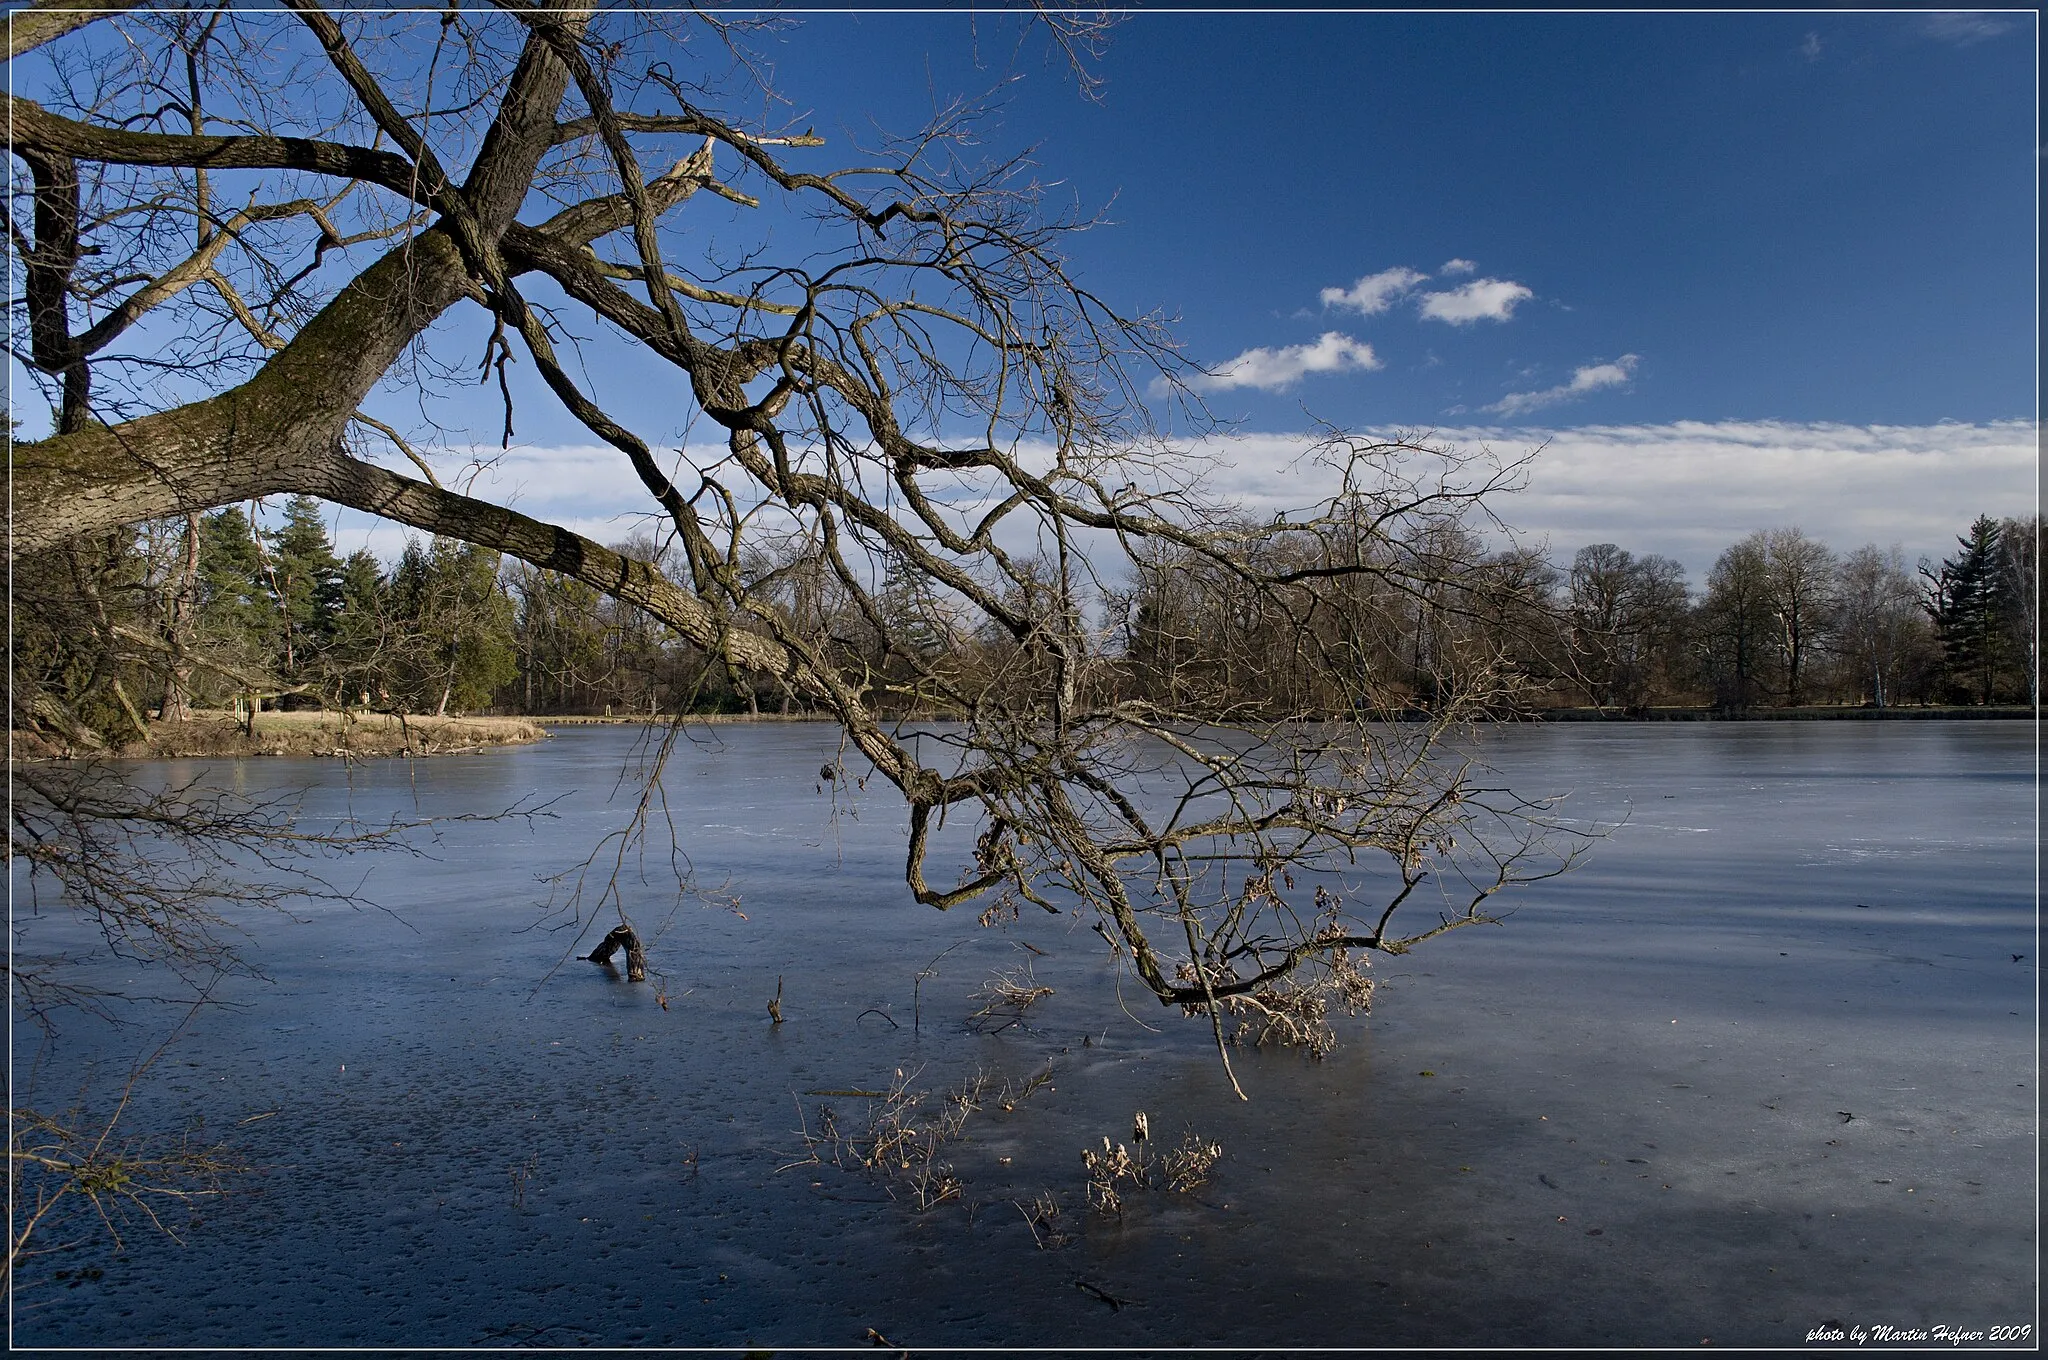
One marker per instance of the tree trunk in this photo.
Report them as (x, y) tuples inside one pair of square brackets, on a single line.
[(286, 421), (636, 958), (128, 708), (177, 703)]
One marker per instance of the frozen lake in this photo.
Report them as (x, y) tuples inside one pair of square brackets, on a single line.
[(1766, 1063)]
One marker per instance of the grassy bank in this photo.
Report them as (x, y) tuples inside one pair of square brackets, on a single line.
[(358, 736), (371, 735)]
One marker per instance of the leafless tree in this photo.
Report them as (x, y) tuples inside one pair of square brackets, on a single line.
[(1884, 635), (2020, 583), (1800, 587), (1625, 613), (931, 434), (1737, 624)]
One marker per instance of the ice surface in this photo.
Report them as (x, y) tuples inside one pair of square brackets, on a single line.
[(1765, 1062)]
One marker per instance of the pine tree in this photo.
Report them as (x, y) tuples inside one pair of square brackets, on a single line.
[(1969, 609), (482, 657), (453, 644), (566, 662), (308, 577), (911, 614), (358, 647), (237, 611)]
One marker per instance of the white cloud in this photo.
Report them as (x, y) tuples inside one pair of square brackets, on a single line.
[(1810, 49), (1374, 293), (1686, 489), (1479, 300), (1271, 370), (1690, 488), (1588, 378)]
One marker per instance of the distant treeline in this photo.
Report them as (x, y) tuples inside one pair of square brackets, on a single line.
[(1783, 620), (210, 611)]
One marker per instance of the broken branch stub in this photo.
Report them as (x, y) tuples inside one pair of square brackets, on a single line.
[(622, 936)]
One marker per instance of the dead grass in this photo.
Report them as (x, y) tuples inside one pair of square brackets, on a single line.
[(1117, 1172), (355, 736), (900, 1138), (1045, 1217)]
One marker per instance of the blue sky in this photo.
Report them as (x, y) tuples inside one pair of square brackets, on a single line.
[(1729, 270), (1797, 217), (1732, 271)]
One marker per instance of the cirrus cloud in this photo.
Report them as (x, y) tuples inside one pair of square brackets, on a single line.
[(1587, 378)]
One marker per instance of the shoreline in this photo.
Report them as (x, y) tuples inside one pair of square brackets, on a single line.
[(366, 736), (1809, 713), (373, 736)]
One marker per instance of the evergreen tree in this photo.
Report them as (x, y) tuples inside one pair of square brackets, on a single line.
[(361, 587), (482, 656), (358, 645), (237, 611), (308, 577), (563, 661), (453, 645), (1970, 608), (911, 613)]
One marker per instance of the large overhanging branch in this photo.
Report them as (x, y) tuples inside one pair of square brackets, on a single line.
[(379, 491), (841, 381), (285, 420), (38, 130), (35, 25)]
